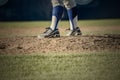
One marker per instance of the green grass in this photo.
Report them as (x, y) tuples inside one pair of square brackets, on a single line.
[(101, 22), (61, 66)]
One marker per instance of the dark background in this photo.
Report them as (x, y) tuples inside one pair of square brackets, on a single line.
[(30, 10)]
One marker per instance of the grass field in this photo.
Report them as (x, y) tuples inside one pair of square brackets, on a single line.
[(102, 65), (82, 23), (62, 66)]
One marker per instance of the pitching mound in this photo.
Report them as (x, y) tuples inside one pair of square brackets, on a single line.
[(31, 44)]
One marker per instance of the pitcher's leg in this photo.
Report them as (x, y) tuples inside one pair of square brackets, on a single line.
[(57, 3), (69, 3), (72, 11), (56, 13), (73, 17)]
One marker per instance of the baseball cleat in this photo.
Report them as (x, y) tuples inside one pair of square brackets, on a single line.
[(74, 32), (49, 33)]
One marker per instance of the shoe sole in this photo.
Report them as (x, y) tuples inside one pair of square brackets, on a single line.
[(50, 36)]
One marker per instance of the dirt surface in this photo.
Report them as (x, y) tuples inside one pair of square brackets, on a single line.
[(23, 40), (31, 44)]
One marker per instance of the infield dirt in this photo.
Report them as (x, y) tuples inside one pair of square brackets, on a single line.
[(31, 44)]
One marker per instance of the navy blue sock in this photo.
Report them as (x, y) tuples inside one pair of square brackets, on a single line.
[(73, 14), (56, 16)]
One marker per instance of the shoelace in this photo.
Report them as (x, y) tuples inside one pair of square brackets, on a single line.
[(73, 30), (47, 29)]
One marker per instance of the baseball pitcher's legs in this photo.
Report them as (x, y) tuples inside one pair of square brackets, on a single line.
[(69, 3), (52, 31), (56, 13), (72, 11), (73, 17), (56, 16), (57, 3)]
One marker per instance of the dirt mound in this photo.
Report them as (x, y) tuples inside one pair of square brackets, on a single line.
[(31, 44)]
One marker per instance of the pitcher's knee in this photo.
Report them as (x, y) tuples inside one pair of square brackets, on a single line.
[(57, 3), (69, 3)]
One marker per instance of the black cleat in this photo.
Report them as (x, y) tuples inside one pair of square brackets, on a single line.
[(74, 32), (49, 33)]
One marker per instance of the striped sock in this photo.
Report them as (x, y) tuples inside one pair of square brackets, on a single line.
[(56, 16), (73, 17)]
